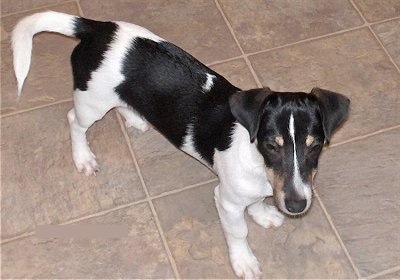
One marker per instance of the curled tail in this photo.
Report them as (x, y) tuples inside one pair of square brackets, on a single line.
[(25, 30)]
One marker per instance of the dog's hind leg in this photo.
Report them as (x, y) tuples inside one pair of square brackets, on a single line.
[(133, 119), (87, 110), (265, 215)]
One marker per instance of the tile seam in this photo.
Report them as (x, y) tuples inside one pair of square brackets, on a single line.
[(362, 137), (248, 63), (384, 272), (90, 216), (119, 207), (375, 35), (78, 3), (333, 227), (149, 201), (6, 115), (38, 8)]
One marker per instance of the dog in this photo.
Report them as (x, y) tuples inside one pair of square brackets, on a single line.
[(259, 142)]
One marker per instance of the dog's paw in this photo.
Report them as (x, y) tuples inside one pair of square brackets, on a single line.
[(245, 265), (86, 163), (266, 215), (142, 125)]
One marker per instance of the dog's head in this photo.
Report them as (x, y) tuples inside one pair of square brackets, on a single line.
[(290, 130)]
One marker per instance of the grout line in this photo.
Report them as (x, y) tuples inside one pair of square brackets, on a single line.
[(150, 202), (123, 206), (308, 40), (376, 36), (358, 11), (167, 193), (384, 272), (384, 20), (384, 48), (94, 215), (346, 252), (248, 63), (357, 138), (38, 8), (78, 4), (35, 108), (216, 62)]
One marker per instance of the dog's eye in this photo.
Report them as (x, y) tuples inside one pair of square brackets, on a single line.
[(316, 147), (272, 147)]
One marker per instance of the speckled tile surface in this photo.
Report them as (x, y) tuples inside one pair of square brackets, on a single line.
[(389, 34), (262, 24), (139, 255), (301, 248), (352, 63), (378, 10), (314, 43), (50, 76), (194, 25), (361, 192), (40, 184)]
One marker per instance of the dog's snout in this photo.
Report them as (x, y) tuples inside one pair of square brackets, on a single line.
[(295, 206)]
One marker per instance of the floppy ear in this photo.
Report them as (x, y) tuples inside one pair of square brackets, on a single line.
[(247, 107), (334, 108)]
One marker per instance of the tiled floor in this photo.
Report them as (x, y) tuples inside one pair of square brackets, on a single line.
[(165, 197)]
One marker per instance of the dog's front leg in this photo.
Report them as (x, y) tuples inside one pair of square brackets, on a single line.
[(243, 261)]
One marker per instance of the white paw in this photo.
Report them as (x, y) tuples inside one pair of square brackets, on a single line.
[(246, 265), (143, 126), (86, 162), (266, 215)]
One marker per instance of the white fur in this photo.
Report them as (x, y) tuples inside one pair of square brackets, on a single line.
[(209, 82), (22, 38), (188, 145), (243, 181), (303, 189), (241, 169)]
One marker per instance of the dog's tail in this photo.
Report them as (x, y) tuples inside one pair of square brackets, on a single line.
[(24, 31)]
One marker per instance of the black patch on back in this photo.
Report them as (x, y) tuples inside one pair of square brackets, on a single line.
[(87, 56), (164, 84)]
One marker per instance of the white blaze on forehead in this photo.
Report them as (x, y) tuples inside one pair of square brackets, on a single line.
[(297, 181), (209, 82)]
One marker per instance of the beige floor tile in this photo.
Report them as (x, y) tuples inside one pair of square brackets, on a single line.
[(50, 76), (351, 63), (139, 255), (389, 34), (195, 25), (261, 25), (359, 185), (374, 10), (237, 73), (394, 276), (39, 182), (164, 167), (12, 6), (301, 248)]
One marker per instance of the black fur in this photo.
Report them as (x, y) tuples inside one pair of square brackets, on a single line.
[(334, 109), (164, 84), (87, 56)]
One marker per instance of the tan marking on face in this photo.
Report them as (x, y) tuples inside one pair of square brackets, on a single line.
[(277, 186), (309, 140), (279, 140)]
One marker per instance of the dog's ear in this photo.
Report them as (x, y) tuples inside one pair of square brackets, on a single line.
[(247, 108), (334, 108)]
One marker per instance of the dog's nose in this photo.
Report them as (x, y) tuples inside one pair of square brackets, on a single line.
[(295, 206)]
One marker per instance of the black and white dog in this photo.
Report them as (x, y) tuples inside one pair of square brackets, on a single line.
[(259, 142)]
